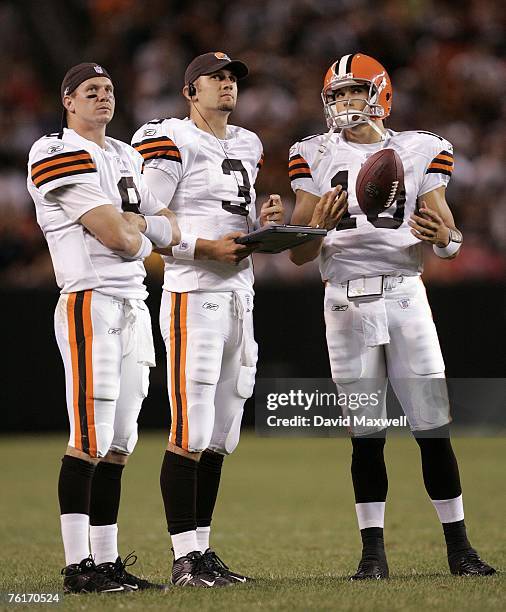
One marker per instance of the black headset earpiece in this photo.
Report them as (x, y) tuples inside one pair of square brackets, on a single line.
[(191, 90)]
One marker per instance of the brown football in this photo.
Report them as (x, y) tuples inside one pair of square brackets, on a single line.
[(379, 182)]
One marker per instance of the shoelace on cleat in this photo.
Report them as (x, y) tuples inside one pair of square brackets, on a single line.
[(214, 561), (203, 565)]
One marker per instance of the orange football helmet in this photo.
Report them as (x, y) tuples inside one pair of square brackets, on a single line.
[(359, 69)]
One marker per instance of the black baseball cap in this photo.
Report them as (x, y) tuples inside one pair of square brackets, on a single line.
[(80, 73), (211, 62)]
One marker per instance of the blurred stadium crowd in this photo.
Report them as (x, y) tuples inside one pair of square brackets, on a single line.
[(446, 60)]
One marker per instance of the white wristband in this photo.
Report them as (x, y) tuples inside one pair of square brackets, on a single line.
[(158, 230), (450, 249), (143, 252), (186, 248)]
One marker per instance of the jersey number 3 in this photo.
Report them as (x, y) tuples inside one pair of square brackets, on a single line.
[(349, 222), (235, 165)]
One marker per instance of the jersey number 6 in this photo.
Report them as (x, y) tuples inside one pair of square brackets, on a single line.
[(235, 165), (130, 197)]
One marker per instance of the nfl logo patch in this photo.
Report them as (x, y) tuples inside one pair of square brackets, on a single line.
[(404, 303), (99, 69)]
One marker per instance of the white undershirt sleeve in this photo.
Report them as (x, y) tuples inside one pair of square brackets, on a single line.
[(161, 184)]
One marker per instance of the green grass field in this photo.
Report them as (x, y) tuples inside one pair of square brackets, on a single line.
[(285, 515)]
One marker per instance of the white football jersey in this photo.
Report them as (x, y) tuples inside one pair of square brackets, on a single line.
[(210, 187), (80, 261), (383, 245)]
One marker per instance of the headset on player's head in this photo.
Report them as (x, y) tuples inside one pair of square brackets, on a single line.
[(191, 90)]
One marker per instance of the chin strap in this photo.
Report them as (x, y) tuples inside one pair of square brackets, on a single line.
[(381, 134)]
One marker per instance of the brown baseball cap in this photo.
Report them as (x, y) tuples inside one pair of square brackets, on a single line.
[(80, 73), (211, 62)]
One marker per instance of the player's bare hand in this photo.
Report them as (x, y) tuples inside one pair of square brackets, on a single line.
[(272, 211), (135, 221), (428, 226), (227, 250), (330, 209)]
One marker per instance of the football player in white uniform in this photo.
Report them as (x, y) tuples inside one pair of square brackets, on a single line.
[(205, 169), (378, 320), (81, 183)]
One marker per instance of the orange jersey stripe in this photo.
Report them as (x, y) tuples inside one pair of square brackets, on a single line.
[(161, 153), (71, 301), (90, 402), (71, 157), (299, 161), (182, 368), (59, 172), (436, 166), (162, 142)]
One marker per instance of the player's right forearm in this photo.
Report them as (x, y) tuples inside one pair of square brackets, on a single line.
[(306, 252)]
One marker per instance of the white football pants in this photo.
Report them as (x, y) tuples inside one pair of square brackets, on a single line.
[(107, 347), (211, 362), (392, 337)]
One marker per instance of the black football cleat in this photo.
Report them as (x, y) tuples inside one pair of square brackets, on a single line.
[(469, 563), (371, 568), (193, 570), (117, 572), (217, 565), (84, 578)]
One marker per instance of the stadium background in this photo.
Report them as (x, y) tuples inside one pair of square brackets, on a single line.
[(449, 75), (447, 63)]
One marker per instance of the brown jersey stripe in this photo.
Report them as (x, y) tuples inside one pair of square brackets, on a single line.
[(443, 162), (61, 174), (300, 175), (88, 349), (296, 166), (443, 155), (434, 170), (178, 340), (60, 158), (170, 155), (71, 302), (297, 159)]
